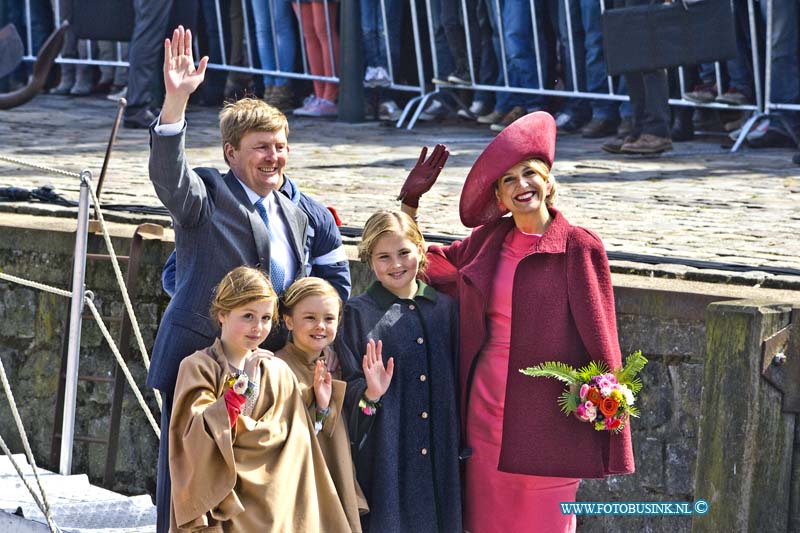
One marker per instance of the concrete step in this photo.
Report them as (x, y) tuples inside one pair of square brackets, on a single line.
[(76, 504)]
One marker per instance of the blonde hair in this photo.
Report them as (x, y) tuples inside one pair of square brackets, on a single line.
[(384, 222), (249, 114), (541, 168), (304, 288), (241, 286)]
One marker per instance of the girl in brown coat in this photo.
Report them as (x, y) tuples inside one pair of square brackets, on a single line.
[(243, 452), (311, 309)]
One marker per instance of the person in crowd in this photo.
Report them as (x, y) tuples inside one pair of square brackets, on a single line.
[(237, 83), (784, 88), (243, 450), (221, 222), (649, 95), (378, 74), (531, 288), (595, 118), (149, 28), (217, 37), (520, 58), (276, 51), (401, 394), (321, 37), (311, 309), (41, 25)]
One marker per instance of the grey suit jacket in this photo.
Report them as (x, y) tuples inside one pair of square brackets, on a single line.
[(216, 230)]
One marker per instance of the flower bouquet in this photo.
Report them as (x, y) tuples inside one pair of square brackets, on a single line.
[(595, 394)]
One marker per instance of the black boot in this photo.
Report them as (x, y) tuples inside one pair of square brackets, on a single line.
[(682, 125)]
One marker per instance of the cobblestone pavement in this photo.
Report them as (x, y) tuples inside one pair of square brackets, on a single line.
[(698, 202)]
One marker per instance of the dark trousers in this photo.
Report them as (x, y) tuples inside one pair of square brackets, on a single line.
[(649, 94), (146, 51), (163, 483)]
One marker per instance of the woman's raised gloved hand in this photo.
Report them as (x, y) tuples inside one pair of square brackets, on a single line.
[(423, 175)]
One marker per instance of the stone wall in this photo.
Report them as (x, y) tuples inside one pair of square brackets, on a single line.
[(663, 318)]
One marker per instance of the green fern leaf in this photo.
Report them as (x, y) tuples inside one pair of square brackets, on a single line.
[(635, 385), (552, 369), (568, 402), (592, 369), (634, 364)]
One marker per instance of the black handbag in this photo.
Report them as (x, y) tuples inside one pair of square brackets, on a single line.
[(655, 36), (103, 20)]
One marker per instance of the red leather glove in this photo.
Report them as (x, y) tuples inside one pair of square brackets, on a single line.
[(234, 402), (423, 175)]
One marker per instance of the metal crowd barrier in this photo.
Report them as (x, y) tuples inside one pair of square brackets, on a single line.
[(761, 108), (758, 109), (251, 68)]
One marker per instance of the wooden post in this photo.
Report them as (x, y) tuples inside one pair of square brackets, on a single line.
[(745, 442)]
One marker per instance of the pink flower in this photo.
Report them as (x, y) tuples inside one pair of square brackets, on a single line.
[(584, 390), (581, 411), (591, 412), (612, 378)]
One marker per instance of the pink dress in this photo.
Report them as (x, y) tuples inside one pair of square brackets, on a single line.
[(495, 500)]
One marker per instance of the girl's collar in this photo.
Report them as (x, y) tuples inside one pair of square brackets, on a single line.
[(302, 356)]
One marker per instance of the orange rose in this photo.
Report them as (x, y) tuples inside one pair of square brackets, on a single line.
[(609, 406), (594, 396)]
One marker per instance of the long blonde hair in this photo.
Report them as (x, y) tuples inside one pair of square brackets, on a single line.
[(241, 286)]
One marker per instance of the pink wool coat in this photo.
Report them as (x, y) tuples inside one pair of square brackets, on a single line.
[(562, 310)]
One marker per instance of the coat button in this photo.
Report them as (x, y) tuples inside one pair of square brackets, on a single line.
[(420, 340), (423, 377), (424, 415), (424, 451), (412, 307)]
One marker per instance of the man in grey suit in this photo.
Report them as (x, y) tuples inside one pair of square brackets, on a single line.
[(221, 222)]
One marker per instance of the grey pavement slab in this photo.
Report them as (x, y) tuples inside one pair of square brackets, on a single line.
[(697, 202)]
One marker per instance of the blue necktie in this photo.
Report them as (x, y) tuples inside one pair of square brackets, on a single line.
[(277, 274)]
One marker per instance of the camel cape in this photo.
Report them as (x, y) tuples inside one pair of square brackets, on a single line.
[(265, 474), (333, 438)]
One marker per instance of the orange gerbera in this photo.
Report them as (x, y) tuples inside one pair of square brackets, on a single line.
[(609, 406), (594, 396)]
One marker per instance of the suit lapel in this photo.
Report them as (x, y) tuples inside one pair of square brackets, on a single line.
[(297, 221), (260, 235)]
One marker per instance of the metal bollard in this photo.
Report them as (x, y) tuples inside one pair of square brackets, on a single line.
[(351, 75)]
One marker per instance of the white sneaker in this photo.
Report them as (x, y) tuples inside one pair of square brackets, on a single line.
[(434, 111), (308, 108), (369, 77), (382, 78), (476, 109), (389, 111)]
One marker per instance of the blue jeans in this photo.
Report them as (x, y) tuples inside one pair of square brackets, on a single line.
[(444, 59), (785, 83), (373, 35), (590, 66), (520, 52), (267, 13)]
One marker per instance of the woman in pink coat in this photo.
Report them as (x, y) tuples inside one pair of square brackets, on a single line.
[(531, 288)]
